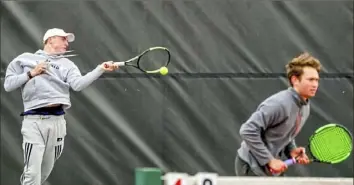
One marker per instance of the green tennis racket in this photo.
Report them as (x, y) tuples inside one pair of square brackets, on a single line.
[(330, 144)]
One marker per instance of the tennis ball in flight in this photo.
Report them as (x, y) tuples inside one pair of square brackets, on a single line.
[(163, 70)]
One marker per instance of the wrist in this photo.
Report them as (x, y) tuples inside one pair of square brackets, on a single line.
[(270, 160), (29, 74), (101, 68)]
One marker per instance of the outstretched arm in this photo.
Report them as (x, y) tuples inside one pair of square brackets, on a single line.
[(78, 82)]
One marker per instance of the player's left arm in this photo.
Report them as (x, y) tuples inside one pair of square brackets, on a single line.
[(15, 76)]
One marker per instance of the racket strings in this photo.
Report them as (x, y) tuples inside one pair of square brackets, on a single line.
[(154, 60), (331, 144)]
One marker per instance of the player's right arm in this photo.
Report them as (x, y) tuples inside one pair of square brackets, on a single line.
[(268, 112), (78, 82), (15, 76)]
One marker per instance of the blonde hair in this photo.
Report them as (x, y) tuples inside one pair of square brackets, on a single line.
[(296, 65)]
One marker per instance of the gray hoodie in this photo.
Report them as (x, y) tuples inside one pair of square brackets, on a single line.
[(48, 88), (271, 129)]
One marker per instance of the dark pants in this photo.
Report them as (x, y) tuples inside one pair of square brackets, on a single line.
[(242, 168)]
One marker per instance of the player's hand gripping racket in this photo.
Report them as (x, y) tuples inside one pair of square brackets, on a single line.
[(152, 60), (329, 144)]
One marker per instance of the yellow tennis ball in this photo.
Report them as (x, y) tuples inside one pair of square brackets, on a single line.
[(163, 70)]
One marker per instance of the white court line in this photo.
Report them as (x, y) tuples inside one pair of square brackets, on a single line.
[(230, 180)]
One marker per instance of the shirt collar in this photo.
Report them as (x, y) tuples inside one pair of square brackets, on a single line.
[(41, 52), (298, 100)]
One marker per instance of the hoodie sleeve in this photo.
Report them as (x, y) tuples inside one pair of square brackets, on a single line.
[(15, 77), (78, 82), (289, 148), (267, 113)]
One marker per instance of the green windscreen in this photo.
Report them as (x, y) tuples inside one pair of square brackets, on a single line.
[(331, 144)]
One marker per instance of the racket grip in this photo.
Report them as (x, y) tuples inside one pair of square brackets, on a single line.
[(290, 162), (120, 63), (116, 63)]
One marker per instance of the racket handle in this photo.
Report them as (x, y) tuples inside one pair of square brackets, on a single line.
[(116, 63), (290, 162), (120, 63)]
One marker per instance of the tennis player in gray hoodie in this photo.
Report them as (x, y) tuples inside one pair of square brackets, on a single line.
[(45, 79), (271, 130)]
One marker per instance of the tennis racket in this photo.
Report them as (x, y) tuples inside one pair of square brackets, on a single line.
[(329, 144), (52, 56), (151, 60), (62, 55)]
